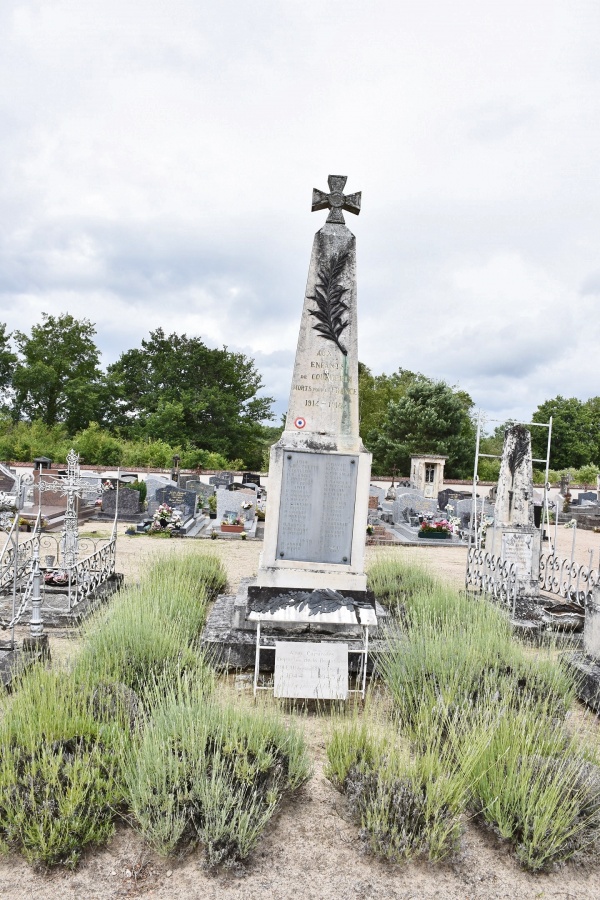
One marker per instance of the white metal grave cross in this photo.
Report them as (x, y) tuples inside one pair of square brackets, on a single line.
[(72, 485)]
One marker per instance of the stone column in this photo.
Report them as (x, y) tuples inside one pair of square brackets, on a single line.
[(319, 471), (516, 539)]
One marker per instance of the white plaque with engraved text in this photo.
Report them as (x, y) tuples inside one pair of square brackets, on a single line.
[(311, 670), (316, 510), (517, 548)]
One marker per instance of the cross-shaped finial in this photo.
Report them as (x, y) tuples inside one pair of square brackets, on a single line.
[(336, 201)]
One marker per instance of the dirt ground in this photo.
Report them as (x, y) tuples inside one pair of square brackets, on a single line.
[(311, 850)]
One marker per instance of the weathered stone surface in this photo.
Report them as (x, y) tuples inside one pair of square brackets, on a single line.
[(586, 671), (514, 501), (515, 536), (129, 502)]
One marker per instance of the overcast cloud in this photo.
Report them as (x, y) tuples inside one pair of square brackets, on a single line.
[(157, 161)]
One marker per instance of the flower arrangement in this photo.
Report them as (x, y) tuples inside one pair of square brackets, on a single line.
[(243, 535), (571, 524), (247, 504), (231, 520), (442, 526), (165, 517)]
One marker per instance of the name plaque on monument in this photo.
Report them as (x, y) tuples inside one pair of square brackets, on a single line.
[(311, 670), (316, 512), (517, 548)]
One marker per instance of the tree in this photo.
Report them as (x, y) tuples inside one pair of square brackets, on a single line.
[(375, 392), (58, 377), (575, 440), (7, 364), (430, 418), (178, 389)]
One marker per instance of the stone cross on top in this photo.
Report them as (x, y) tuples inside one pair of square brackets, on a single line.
[(336, 201)]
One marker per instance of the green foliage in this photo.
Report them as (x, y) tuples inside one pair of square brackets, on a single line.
[(459, 681), (7, 363), (375, 392), (406, 805), (58, 377), (431, 417), (23, 441), (60, 780), (396, 586), (532, 782), (203, 771), (151, 630), (575, 432), (142, 488), (177, 388)]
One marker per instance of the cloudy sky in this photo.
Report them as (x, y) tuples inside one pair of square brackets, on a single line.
[(157, 159)]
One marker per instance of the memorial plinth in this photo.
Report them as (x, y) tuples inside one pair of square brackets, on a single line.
[(311, 581)]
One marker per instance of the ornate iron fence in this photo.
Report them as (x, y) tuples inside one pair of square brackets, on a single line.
[(489, 574), (567, 579)]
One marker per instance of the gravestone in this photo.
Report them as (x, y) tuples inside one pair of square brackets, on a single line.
[(129, 502), (251, 477), (232, 502), (319, 471), (450, 496), (202, 491), (221, 479), (515, 534), (407, 500), (181, 500), (155, 483), (587, 497)]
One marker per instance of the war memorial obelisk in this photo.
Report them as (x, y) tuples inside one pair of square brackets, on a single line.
[(319, 471)]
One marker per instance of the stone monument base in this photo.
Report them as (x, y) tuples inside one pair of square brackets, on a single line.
[(230, 638), (586, 672)]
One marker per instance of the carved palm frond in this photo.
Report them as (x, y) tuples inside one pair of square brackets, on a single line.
[(331, 306)]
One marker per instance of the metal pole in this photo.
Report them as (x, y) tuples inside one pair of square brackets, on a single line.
[(546, 515), (257, 656), (364, 685), (474, 497), (573, 544), (37, 626)]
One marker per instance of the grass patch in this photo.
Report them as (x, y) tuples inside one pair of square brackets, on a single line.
[(406, 805), (461, 684), (396, 584), (60, 778), (209, 773), (65, 738), (152, 630)]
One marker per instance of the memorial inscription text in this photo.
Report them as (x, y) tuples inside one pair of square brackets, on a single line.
[(316, 512)]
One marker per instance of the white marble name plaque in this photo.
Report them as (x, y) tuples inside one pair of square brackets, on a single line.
[(517, 548), (311, 671), (316, 509)]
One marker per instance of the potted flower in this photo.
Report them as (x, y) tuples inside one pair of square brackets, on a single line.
[(212, 506), (243, 535), (440, 530)]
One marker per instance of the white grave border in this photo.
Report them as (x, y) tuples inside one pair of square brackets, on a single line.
[(291, 614)]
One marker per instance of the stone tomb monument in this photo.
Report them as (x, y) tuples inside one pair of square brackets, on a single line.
[(516, 538), (586, 666), (427, 475), (311, 575)]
